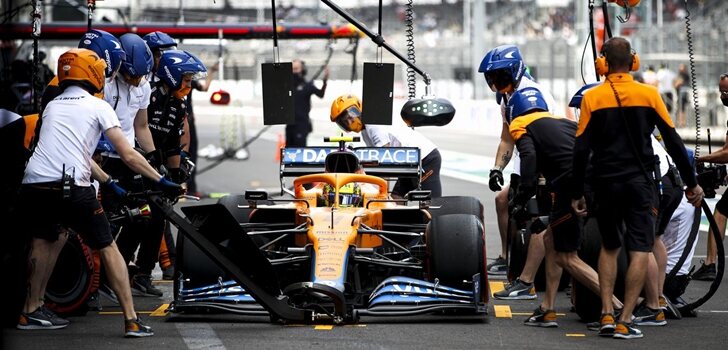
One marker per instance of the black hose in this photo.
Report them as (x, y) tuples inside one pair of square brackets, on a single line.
[(693, 84), (720, 263)]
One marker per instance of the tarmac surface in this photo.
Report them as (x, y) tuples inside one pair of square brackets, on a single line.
[(466, 162)]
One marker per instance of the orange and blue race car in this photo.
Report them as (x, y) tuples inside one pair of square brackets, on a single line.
[(339, 247)]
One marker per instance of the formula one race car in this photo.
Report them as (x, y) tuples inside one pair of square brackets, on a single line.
[(340, 248)]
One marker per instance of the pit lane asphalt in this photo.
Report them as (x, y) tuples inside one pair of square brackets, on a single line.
[(104, 331)]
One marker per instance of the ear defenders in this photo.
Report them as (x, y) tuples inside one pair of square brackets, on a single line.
[(602, 68)]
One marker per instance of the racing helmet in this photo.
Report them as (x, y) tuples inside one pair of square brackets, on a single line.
[(159, 40), (346, 112), (525, 101), (349, 195), (503, 67), (176, 64), (575, 101), (138, 60), (106, 46), (83, 67)]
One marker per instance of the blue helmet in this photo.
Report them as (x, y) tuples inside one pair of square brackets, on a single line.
[(106, 46), (138, 56), (576, 100), (175, 63), (506, 58), (524, 101), (159, 40)]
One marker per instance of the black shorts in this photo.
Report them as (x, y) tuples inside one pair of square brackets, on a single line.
[(627, 209), (669, 201), (565, 225), (722, 205), (45, 214)]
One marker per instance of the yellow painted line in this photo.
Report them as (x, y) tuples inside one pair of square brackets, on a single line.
[(495, 287), (121, 313), (575, 335), (160, 311), (323, 327), (502, 311), (161, 281)]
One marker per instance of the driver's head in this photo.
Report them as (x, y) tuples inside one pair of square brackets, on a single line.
[(349, 195), (346, 113), (503, 68)]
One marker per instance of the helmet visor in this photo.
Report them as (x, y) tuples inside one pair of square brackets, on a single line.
[(499, 78), (350, 119)]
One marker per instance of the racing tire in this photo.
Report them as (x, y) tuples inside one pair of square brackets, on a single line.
[(517, 253), (457, 205), (75, 277), (587, 304), (455, 249)]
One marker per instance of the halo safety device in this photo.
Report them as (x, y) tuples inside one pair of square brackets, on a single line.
[(503, 65), (175, 64), (602, 68), (524, 101), (346, 112), (82, 66), (106, 46), (139, 58), (159, 40)]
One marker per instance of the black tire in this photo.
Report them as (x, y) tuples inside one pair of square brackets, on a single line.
[(457, 205), (72, 280), (587, 304), (456, 249), (517, 254)]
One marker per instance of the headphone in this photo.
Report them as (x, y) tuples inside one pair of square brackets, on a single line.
[(602, 68)]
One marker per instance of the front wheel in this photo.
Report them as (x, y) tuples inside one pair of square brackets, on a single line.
[(456, 249)]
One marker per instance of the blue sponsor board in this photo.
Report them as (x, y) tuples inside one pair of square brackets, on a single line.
[(384, 156)]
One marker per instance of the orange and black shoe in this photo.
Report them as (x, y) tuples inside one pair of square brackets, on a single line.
[(625, 330), (607, 325), (41, 318), (136, 329), (542, 318)]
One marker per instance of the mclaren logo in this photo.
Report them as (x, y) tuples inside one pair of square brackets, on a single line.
[(116, 44), (509, 54), (176, 60)]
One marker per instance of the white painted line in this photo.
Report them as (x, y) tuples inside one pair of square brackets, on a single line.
[(199, 336)]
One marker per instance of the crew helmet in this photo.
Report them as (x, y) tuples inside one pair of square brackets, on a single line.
[(524, 101), (83, 67), (139, 59), (106, 46)]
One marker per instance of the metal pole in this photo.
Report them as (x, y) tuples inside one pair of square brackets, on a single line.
[(477, 46), (378, 39)]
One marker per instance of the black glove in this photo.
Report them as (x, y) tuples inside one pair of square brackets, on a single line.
[(170, 188), (496, 180), (154, 158)]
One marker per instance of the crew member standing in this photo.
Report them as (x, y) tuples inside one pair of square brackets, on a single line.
[(297, 133), (616, 123)]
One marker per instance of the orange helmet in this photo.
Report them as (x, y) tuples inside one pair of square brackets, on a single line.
[(346, 111), (82, 66)]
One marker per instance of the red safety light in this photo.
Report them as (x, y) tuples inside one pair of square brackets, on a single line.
[(220, 97)]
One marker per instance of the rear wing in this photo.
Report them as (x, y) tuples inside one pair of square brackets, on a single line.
[(384, 162)]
